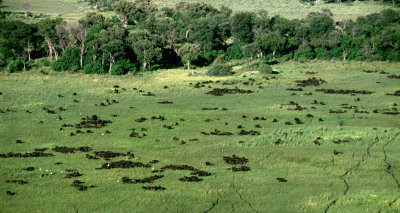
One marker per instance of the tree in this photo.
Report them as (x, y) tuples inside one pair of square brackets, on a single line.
[(146, 47), (64, 36), (272, 42), (189, 52), (26, 7), (46, 28), (79, 33), (112, 43), (242, 26), (124, 9), (251, 50)]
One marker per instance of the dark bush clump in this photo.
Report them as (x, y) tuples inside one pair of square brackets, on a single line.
[(220, 70), (94, 68), (70, 61), (16, 66), (122, 67)]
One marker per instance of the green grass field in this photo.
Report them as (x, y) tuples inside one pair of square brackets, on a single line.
[(72, 10), (350, 176)]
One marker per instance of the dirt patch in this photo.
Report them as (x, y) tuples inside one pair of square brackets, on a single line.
[(240, 169), (190, 179), (283, 180), (124, 164), (251, 132), (73, 174), (153, 188), (217, 132), (10, 193), (233, 160), (151, 179), (397, 93), (207, 108), (161, 118), (29, 169), (178, 167), (110, 154), (394, 76), (26, 155), (79, 186), (65, 150), (140, 120), (310, 82), (200, 173), (165, 102), (92, 122), (223, 91), (332, 91)]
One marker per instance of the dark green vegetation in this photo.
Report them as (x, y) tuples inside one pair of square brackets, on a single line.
[(144, 37), (315, 137)]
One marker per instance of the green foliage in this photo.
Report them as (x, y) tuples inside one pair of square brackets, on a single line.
[(251, 50), (304, 53), (189, 52), (15, 66), (234, 52), (220, 70), (95, 67), (122, 67), (242, 26), (69, 61), (146, 46)]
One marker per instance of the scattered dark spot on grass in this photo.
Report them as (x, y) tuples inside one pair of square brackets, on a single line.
[(22, 182), (310, 82), (223, 91), (65, 150), (26, 155), (251, 132), (190, 179), (153, 188), (200, 173), (124, 164), (283, 180), (240, 169), (73, 174), (332, 91), (233, 160), (10, 193)]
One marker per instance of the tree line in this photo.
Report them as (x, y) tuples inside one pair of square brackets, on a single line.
[(144, 37), (316, 2)]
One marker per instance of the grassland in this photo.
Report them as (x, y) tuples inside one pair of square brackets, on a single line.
[(72, 10), (355, 179)]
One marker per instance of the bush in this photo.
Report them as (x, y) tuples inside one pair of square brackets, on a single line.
[(16, 66), (234, 52), (264, 69), (122, 67), (220, 70), (70, 60), (304, 54), (46, 62), (94, 68)]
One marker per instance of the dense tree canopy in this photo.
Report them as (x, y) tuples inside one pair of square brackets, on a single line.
[(193, 33)]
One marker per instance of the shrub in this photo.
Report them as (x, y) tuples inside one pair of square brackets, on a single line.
[(94, 68), (70, 60), (122, 67), (234, 52), (264, 69), (16, 66), (220, 70)]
